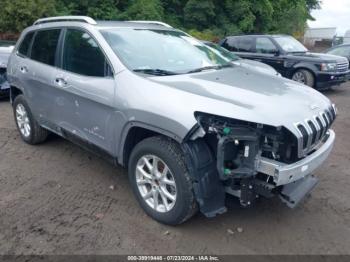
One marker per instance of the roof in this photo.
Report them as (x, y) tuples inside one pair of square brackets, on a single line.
[(130, 24), (257, 35), (63, 20)]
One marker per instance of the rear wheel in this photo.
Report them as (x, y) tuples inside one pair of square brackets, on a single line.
[(30, 131), (161, 182), (305, 77)]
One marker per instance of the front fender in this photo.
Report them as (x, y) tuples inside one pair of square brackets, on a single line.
[(302, 65), (163, 126)]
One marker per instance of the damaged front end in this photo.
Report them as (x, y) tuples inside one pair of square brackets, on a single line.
[(249, 160)]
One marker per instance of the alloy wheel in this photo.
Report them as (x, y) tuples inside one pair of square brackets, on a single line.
[(156, 183), (23, 120)]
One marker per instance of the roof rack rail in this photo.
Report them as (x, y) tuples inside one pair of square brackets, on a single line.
[(151, 22), (84, 19)]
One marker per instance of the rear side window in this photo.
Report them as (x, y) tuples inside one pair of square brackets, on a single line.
[(231, 44), (82, 54), (25, 45), (245, 44), (45, 45), (239, 44)]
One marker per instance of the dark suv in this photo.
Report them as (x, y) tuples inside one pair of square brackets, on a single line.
[(290, 58)]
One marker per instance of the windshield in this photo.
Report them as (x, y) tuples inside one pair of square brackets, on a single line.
[(222, 51), (290, 44), (162, 51)]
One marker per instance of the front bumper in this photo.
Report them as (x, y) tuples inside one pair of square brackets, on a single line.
[(324, 80), (284, 174)]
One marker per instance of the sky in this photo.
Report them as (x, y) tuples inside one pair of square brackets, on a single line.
[(333, 13)]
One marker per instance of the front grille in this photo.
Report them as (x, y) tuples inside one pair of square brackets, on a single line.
[(313, 130), (343, 66)]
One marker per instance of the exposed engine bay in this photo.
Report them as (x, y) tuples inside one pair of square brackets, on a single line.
[(239, 151)]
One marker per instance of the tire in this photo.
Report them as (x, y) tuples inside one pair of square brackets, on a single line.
[(33, 135), (168, 154), (304, 76)]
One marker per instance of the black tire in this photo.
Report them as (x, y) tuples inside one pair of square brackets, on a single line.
[(308, 77), (37, 134), (170, 152)]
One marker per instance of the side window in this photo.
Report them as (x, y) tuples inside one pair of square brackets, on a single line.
[(265, 46), (245, 44), (45, 45), (25, 44), (82, 55), (231, 44)]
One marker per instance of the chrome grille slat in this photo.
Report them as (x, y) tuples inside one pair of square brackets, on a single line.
[(311, 131), (318, 128), (342, 66)]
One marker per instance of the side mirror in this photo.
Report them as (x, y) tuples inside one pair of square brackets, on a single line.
[(277, 53)]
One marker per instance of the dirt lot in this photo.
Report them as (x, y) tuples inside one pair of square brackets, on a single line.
[(56, 199)]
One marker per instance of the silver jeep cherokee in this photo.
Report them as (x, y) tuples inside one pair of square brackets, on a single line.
[(189, 125)]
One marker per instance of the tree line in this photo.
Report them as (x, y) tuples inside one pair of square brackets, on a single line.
[(206, 19)]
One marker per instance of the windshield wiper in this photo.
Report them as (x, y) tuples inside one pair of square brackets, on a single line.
[(297, 52), (156, 72), (217, 67)]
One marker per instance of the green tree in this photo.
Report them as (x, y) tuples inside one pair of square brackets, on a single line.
[(144, 10), (204, 18), (18, 14), (199, 14)]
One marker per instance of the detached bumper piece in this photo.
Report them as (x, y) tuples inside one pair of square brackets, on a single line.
[(293, 193), (290, 182)]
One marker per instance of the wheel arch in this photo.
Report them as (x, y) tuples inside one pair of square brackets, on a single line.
[(135, 132), (14, 92), (311, 69)]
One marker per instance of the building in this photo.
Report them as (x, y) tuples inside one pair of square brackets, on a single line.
[(320, 38)]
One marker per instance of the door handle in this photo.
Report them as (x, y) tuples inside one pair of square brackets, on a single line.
[(61, 82), (23, 69)]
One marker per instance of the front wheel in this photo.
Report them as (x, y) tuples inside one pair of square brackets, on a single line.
[(305, 77), (161, 182)]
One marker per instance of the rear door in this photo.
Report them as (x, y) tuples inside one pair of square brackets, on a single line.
[(40, 70), (85, 87), (19, 62), (240, 45)]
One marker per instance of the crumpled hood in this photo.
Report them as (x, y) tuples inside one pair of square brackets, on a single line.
[(254, 96)]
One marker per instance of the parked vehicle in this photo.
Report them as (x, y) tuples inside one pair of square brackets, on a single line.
[(340, 50), (189, 125), (6, 48), (255, 65), (290, 58)]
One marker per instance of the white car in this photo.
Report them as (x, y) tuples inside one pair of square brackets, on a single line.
[(5, 52)]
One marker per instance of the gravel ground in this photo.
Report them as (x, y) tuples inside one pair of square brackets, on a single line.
[(56, 199)]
